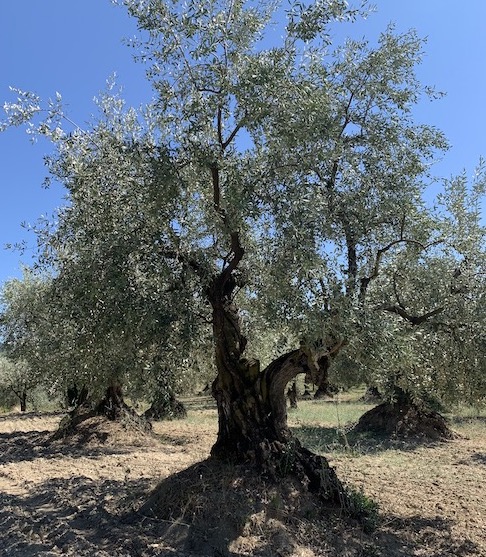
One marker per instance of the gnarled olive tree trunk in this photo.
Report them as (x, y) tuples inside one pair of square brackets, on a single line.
[(252, 407)]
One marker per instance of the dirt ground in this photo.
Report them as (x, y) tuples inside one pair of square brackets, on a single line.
[(79, 498)]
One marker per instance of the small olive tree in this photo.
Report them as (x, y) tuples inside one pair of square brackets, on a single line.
[(21, 321), (17, 379)]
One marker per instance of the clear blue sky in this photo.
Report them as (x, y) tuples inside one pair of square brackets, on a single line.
[(74, 46)]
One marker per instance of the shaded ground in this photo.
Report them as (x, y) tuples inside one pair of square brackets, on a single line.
[(81, 499)]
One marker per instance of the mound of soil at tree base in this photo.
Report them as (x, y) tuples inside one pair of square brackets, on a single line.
[(214, 508), (405, 420), (92, 430)]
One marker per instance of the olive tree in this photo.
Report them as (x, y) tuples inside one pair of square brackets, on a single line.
[(433, 294), (111, 307), (17, 379), (21, 321), (127, 302), (260, 186), (115, 321)]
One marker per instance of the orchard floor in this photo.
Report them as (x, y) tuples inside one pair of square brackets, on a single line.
[(79, 498)]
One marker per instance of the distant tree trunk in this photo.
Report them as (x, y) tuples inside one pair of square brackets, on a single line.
[(252, 413), (111, 406), (323, 385), (372, 394), (165, 406), (21, 394), (23, 401), (206, 390), (76, 397), (307, 387), (72, 395), (292, 395)]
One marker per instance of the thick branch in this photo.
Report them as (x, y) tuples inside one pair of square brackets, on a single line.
[(237, 249), (413, 319), (382, 251), (216, 187), (352, 257), (17, 393), (379, 254), (331, 182), (238, 252)]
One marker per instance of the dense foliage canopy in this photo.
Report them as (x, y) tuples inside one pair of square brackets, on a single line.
[(285, 180)]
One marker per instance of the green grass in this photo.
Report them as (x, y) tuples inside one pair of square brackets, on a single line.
[(468, 420), (332, 413), (467, 411), (325, 425)]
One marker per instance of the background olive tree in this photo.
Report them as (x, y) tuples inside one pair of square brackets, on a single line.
[(23, 332), (17, 382)]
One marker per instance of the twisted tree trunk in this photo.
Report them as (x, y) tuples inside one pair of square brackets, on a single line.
[(251, 403), (252, 412)]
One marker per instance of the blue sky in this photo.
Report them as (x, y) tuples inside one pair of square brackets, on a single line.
[(73, 47)]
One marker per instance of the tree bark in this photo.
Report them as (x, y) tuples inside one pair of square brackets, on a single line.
[(76, 397), (324, 387), (306, 395), (22, 396), (252, 413), (112, 404), (292, 395), (113, 407), (372, 394)]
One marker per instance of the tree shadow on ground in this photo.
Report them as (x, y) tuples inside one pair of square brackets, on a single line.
[(20, 446), (431, 534), (464, 420), (199, 402), (78, 516), (479, 458), (84, 517), (474, 459), (322, 439), (21, 416)]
